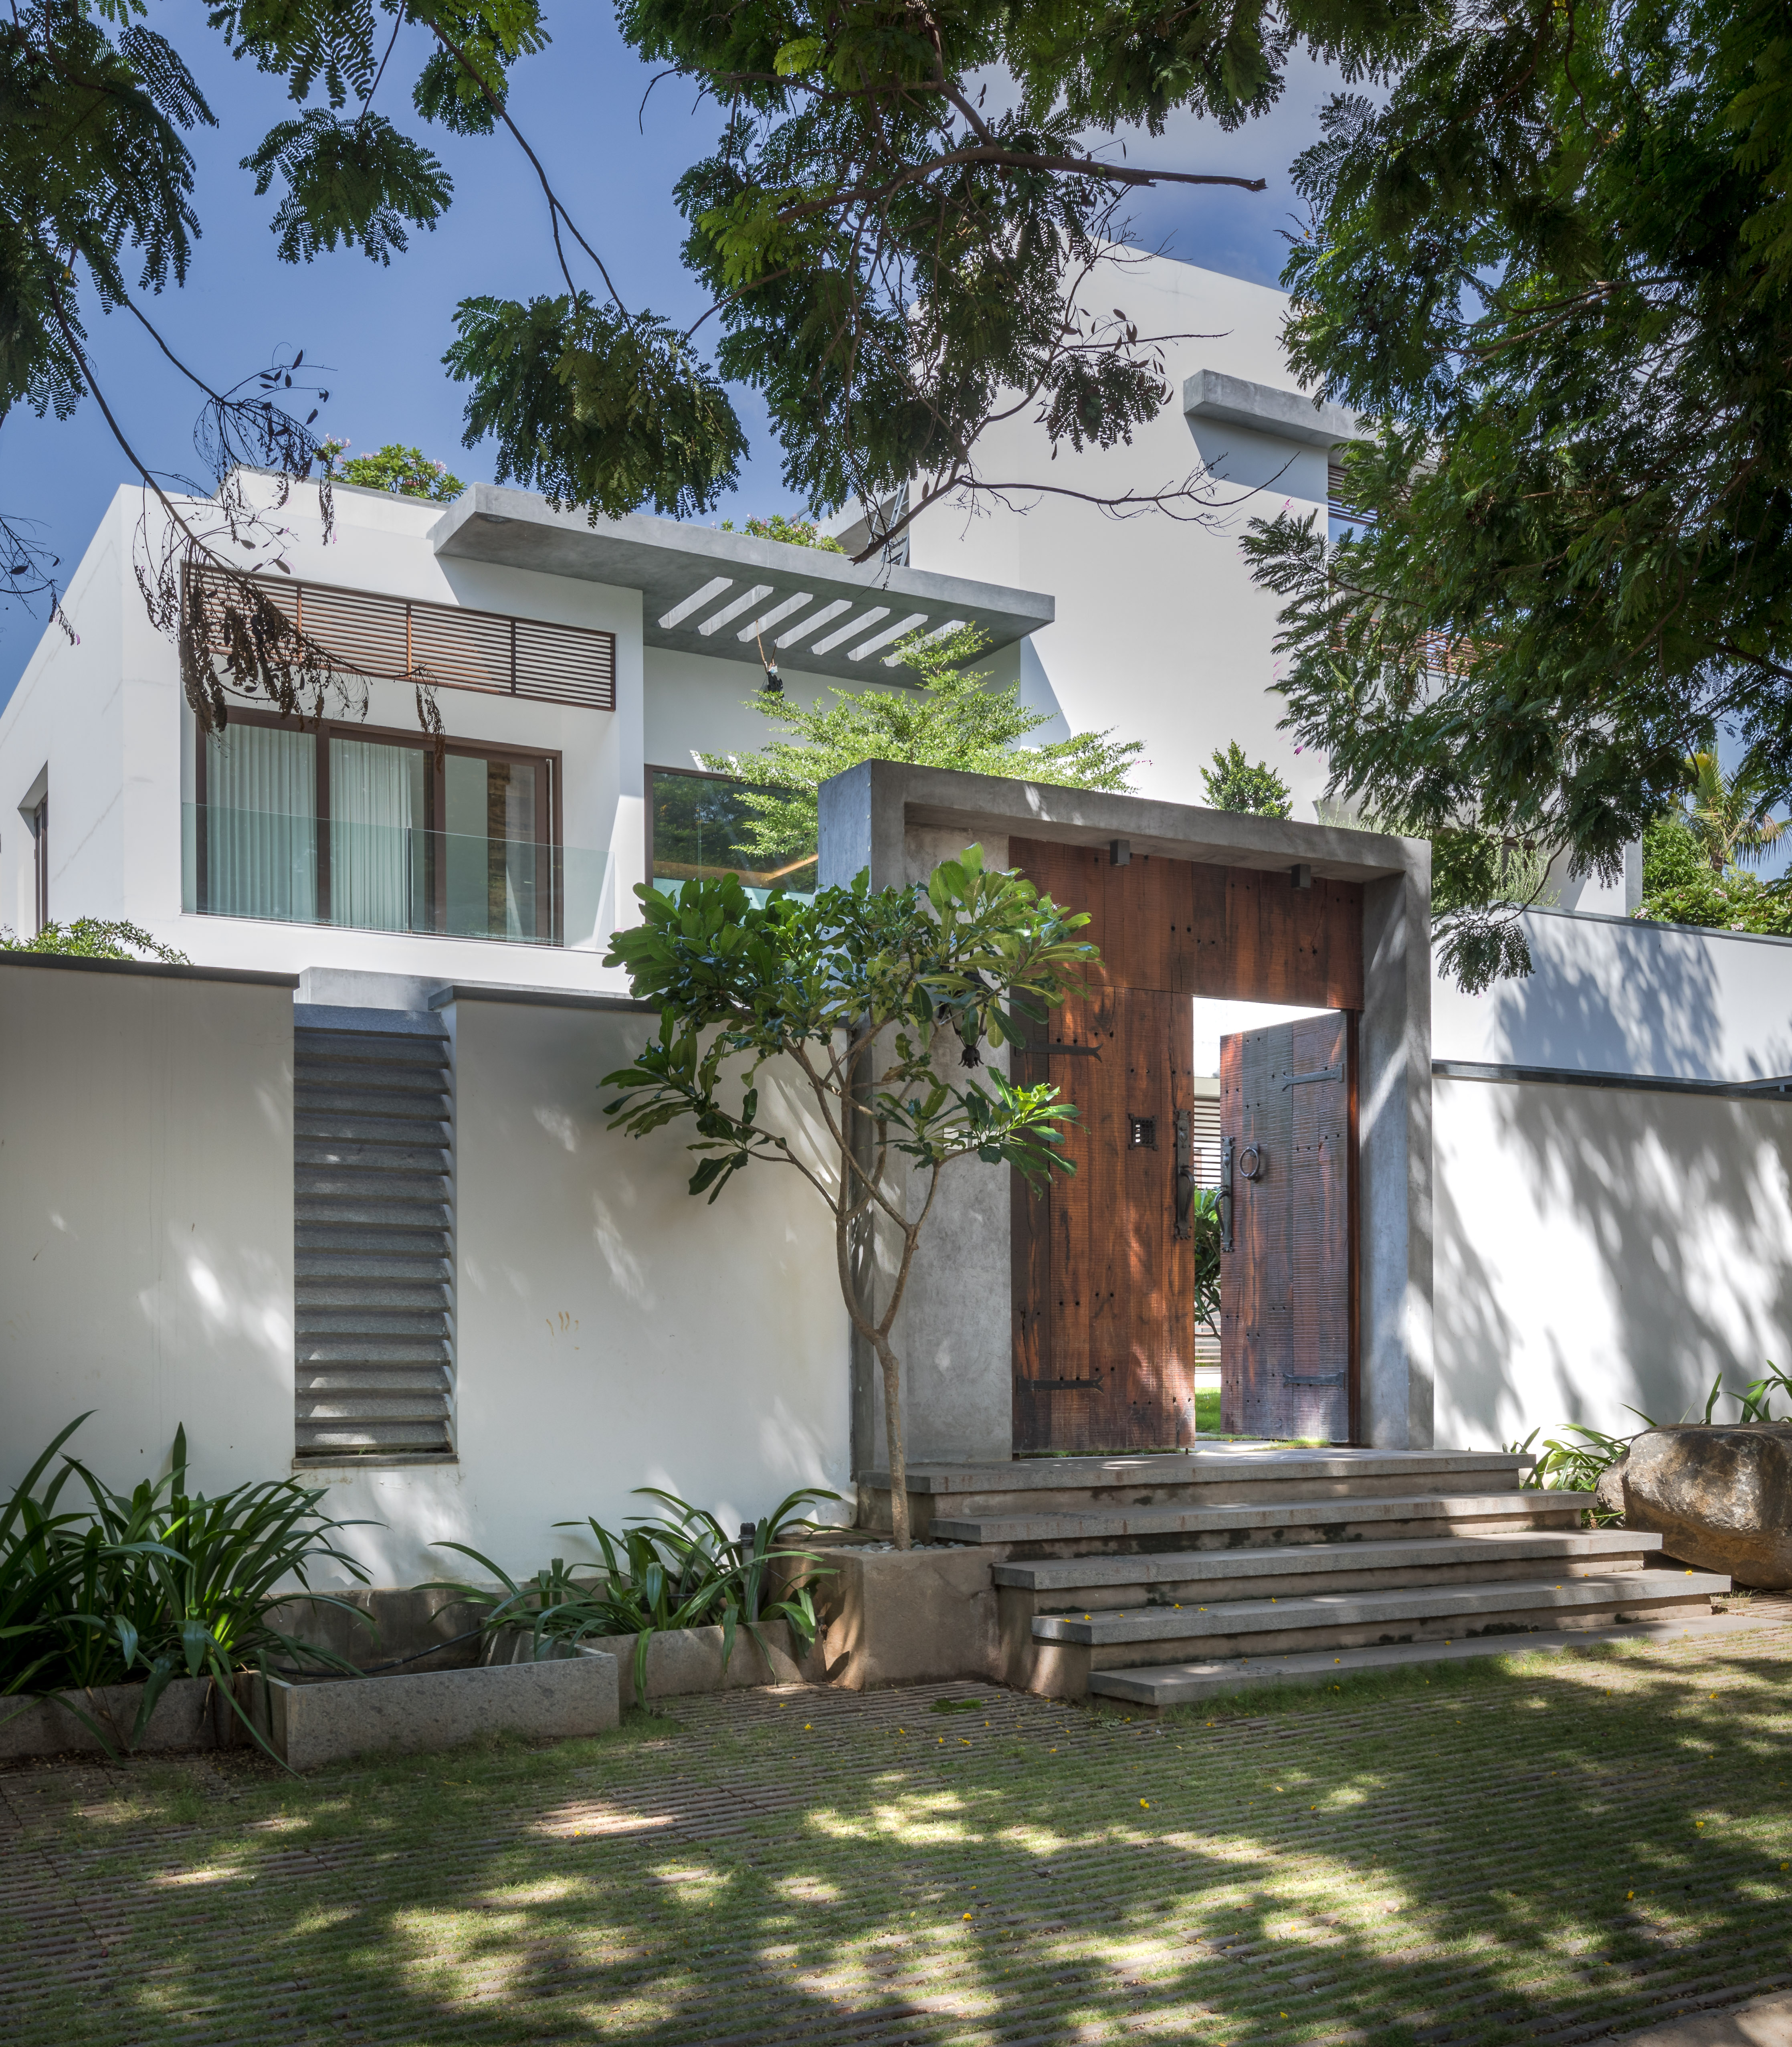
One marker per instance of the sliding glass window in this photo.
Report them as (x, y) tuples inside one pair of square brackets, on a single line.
[(378, 796), (376, 831), (701, 825)]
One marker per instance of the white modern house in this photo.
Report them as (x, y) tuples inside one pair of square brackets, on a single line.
[(576, 671), (338, 1195)]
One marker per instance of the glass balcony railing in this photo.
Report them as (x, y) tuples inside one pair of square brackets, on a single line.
[(373, 877)]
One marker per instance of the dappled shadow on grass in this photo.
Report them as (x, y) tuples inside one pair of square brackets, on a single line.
[(1477, 1853)]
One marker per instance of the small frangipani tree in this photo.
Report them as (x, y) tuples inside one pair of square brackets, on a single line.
[(858, 991)]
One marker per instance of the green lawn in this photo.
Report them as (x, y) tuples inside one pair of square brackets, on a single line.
[(1536, 1849)]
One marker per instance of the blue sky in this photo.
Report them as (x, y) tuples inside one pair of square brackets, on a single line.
[(376, 335)]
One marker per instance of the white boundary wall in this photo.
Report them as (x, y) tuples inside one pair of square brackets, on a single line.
[(612, 1333), (146, 1220), (1599, 1249), (1603, 1248)]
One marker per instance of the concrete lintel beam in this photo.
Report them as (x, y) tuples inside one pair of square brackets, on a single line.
[(870, 807)]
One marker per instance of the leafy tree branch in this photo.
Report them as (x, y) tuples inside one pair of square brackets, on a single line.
[(1552, 271), (853, 998)]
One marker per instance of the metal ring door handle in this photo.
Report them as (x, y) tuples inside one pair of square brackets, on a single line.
[(1250, 1161)]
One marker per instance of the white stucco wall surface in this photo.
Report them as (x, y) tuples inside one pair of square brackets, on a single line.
[(1619, 996), (66, 716), (612, 1331), (1602, 1249), (1161, 635), (145, 1222)]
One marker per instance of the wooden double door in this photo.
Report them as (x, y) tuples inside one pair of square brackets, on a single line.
[(1104, 1259)]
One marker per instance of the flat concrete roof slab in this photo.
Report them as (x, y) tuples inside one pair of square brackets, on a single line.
[(705, 592)]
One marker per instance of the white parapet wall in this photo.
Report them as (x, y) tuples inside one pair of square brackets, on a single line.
[(612, 1332)]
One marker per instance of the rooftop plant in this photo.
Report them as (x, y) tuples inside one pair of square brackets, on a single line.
[(93, 937), (406, 472), (794, 532), (1234, 783)]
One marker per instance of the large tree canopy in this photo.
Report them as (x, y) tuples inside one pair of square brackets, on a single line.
[(1553, 272), (903, 203)]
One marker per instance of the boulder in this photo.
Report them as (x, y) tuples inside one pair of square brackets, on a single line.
[(1720, 1497), (1608, 1495)]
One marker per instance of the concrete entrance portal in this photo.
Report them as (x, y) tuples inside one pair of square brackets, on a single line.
[(1184, 901)]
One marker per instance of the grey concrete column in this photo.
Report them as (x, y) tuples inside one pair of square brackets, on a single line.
[(1394, 1127)]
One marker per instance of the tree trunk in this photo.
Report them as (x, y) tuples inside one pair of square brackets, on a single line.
[(892, 1442)]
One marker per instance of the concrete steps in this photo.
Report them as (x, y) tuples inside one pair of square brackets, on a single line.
[(1233, 1475), (1292, 1570), (1068, 1649), (1107, 1573), (1348, 1518), (1154, 1687)]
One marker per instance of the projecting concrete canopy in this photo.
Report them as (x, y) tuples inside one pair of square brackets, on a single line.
[(955, 1335), (725, 594), (1267, 409)]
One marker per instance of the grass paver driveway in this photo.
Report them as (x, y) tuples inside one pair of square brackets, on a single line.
[(1547, 1848)]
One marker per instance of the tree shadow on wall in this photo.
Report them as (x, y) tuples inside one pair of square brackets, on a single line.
[(1604, 999)]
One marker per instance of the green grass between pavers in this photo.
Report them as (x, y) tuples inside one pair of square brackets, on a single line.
[(1545, 1847)]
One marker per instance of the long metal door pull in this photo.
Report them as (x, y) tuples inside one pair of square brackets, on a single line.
[(1319, 1073), (1183, 1186)]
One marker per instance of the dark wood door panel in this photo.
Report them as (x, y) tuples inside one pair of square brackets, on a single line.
[(1103, 1313), (1234, 934), (1109, 1364), (1285, 1319)]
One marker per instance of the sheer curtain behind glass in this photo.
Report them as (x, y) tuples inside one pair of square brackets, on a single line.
[(375, 840), (260, 823)]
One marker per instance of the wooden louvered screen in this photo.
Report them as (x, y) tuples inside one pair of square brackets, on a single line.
[(452, 646), (1285, 1285), (374, 1275)]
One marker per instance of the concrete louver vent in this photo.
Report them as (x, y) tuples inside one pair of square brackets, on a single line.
[(374, 1290)]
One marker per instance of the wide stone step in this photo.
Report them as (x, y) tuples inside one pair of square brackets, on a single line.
[(1222, 1465), (1286, 1567), (1438, 1610), (1158, 1686), (1257, 1523), (1235, 1472)]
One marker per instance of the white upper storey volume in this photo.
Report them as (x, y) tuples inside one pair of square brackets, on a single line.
[(706, 592)]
